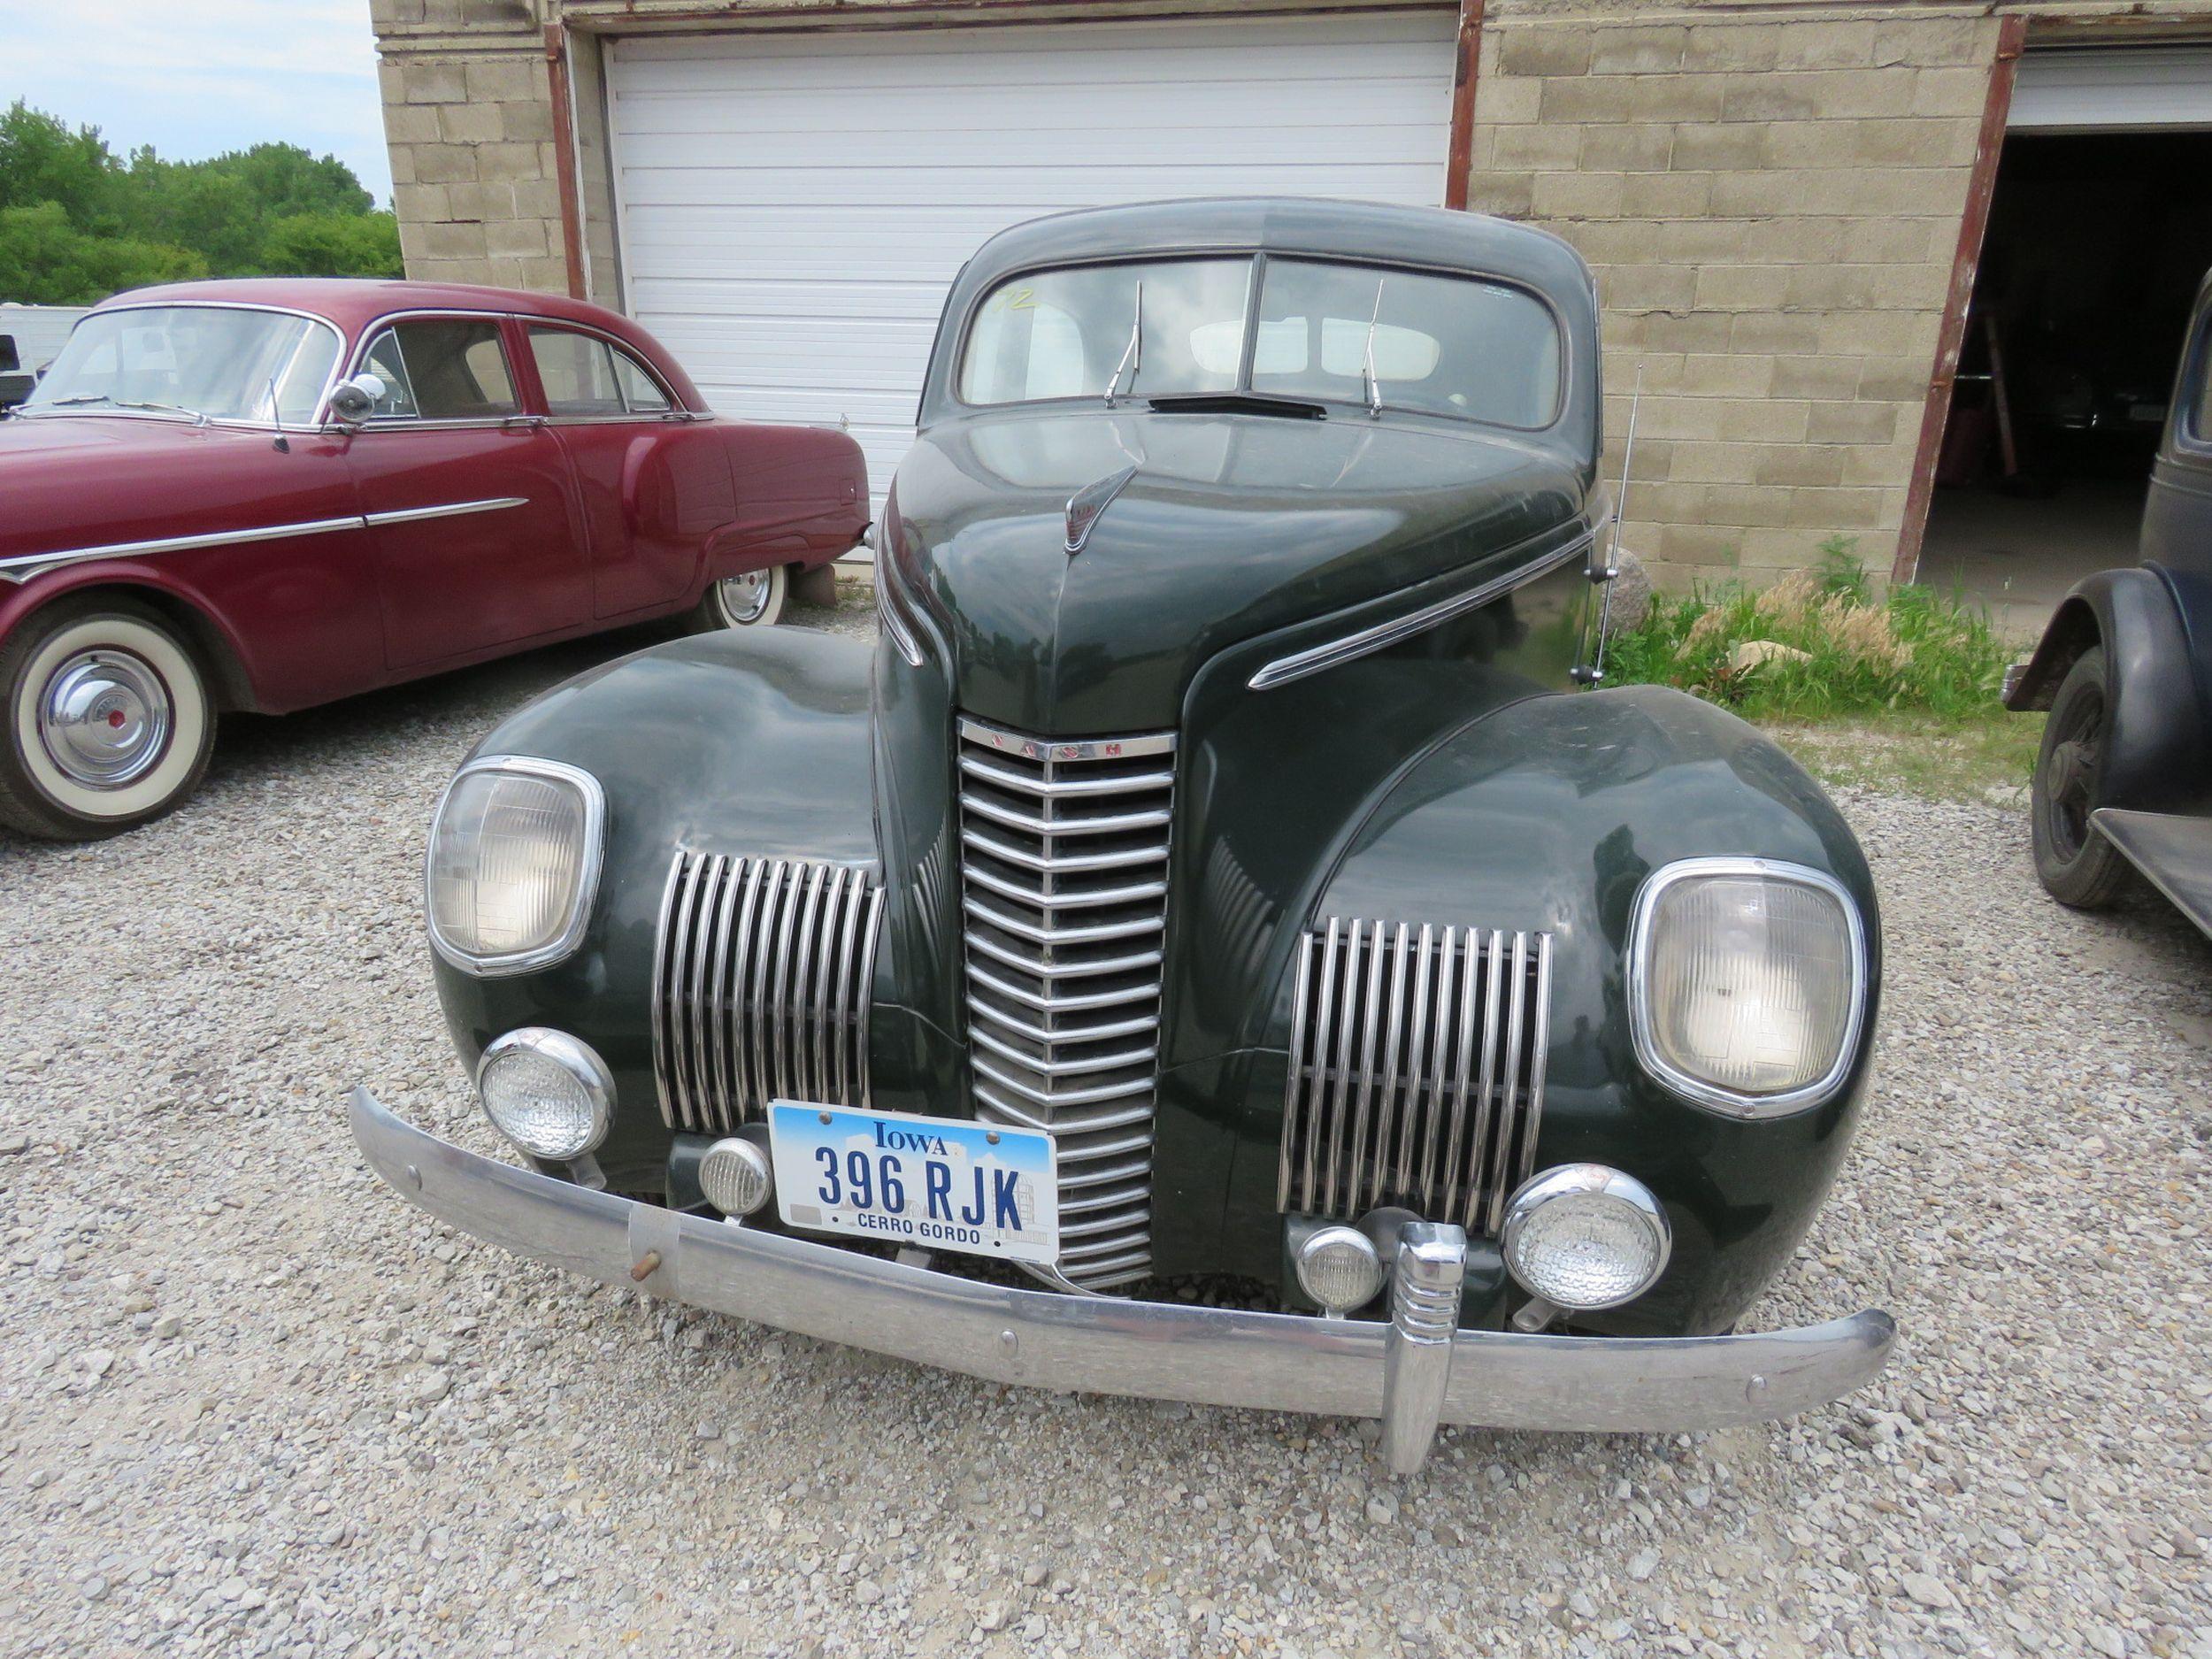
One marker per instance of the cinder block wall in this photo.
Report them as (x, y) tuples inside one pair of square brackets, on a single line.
[(1772, 209), (468, 114)]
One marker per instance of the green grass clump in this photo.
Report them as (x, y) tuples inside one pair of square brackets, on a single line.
[(1912, 651)]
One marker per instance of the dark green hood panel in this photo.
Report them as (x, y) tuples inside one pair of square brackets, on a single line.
[(1232, 526)]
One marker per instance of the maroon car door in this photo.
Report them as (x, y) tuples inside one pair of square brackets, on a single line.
[(654, 484), (469, 498)]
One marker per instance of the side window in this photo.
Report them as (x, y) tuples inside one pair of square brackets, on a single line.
[(2201, 403), (640, 390), (442, 369), (9, 360), (577, 372)]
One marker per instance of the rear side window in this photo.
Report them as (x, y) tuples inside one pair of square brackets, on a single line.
[(585, 376), (442, 369)]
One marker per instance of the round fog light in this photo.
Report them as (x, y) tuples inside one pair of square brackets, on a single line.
[(733, 1177), (546, 1092), (1585, 1237), (1338, 1268)]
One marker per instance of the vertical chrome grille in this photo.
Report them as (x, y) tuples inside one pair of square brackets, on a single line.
[(762, 977), (1064, 896), (1417, 1070)]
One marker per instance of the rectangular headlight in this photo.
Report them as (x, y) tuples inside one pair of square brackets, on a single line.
[(1747, 983), (514, 861)]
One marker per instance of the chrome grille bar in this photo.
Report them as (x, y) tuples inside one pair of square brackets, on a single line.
[(1417, 1070), (1064, 865), (761, 986)]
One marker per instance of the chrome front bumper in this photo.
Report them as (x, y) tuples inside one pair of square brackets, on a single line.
[(1413, 1372)]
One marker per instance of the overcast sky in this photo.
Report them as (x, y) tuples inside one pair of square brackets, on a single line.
[(193, 77)]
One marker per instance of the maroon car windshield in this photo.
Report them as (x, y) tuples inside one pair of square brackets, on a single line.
[(211, 362)]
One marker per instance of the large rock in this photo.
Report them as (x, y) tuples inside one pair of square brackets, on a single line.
[(1632, 594)]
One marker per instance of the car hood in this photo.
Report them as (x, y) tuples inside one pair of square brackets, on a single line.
[(74, 481), (1233, 525)]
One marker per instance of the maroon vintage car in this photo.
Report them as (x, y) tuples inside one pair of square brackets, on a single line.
[(265, 494)]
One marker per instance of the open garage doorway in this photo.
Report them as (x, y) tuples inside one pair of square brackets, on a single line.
[(2097, 241)]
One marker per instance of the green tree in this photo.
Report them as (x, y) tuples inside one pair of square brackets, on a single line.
[(41, 160), (288, 181), (333, 244), (45, 260)]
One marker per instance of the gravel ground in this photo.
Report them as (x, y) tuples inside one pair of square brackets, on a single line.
[(251, 1402)]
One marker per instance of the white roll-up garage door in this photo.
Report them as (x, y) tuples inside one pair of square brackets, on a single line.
[(2138, 88), (793, 209)]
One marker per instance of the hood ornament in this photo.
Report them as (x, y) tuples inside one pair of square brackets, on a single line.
[(1086, 505)]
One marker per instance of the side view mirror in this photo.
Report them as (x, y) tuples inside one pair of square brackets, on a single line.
[(354, 401)]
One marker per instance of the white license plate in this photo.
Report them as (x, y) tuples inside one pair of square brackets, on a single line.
[(936, 1183)]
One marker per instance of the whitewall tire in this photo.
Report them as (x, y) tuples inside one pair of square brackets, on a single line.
[(109, 720), (758, 599)]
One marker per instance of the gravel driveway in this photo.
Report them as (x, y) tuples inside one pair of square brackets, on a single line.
[(250, 1401)]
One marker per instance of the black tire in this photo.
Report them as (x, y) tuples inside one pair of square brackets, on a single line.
[(757, 599), (70, 675), (2077, 865)]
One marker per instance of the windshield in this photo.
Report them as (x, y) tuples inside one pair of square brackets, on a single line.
[(1316, 331), (208, 360)]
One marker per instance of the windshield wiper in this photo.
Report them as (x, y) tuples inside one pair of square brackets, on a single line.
[(1235, 403), (1367, 357), (193, 415), (1132, 354)]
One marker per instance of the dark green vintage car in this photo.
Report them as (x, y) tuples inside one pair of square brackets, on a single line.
[(1225, 863)]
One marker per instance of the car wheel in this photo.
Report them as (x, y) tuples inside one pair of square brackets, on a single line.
[(109, 720), (756, 599), (2077, 865)]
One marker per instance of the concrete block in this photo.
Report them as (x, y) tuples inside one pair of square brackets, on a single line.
[(1733, 46), (1638, 49), (482, 201), (1537, 147), (1723, 147), (1760, 421), (1827, 378), (517, 79), (1822, 43), (1528, 50), (1833, 510), (1681, 97), (1767, 332), (1725, 374), (1647, 287), (440, 164), (429, 80), (468, 123), (453, 240), (509, 164), (1742, 288), (1510, 100), (412, 123), (531, 123), (1666, 195), (1669, 331), (1508, 195), (1852, 423), (1575, 195), (1637, 147), (1797, 463), (420, 204), (518, 237)]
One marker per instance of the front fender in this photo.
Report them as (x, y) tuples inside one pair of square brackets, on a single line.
[(2157, 730), (1548, 815), (754, 744)]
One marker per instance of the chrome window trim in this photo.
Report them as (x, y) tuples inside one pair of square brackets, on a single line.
[(1369, 640), (370, 334), (1734, 1103), (23, 566), (322, 400), (673, 405), (571, 935), (677, 409)]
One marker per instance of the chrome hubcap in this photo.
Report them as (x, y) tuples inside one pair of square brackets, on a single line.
[(744, 597), (104, 719)]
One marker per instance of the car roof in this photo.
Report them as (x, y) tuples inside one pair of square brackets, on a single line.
[(354, 303)]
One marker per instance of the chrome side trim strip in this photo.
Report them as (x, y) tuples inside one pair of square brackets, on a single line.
[(23, 566), (450, 509), (1368, 641)]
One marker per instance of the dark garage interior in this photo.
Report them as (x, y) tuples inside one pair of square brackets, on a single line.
[(2097, 243)]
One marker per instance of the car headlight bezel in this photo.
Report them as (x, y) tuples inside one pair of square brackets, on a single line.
[(1651, 1052), (592, 801)]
